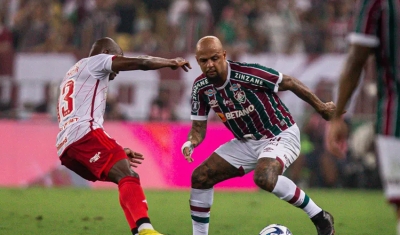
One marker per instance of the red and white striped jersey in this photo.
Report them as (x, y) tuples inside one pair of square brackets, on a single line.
[(82, 99)]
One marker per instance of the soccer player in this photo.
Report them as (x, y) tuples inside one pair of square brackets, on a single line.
[(376, 32), (267, 139), (82, 144)]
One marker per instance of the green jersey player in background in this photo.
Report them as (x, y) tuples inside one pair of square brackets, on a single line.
[(377, 32), (267, 139)]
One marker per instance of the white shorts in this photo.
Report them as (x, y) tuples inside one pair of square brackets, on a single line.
[(389, 163), (245, 153)]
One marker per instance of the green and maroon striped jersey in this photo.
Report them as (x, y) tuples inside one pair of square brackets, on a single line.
[(247, 103), (377, 25)]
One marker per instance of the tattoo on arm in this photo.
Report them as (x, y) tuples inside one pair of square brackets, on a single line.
[(301, 91), (198, 132)]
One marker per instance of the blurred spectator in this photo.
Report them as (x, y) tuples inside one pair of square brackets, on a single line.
[(145, 40), (339, 23), (161, 108), (112, 111), (189, 21), (6, 47), (101, 22), (127, 17), (32, 25), (279, 24), (313, 30), (157, 12)]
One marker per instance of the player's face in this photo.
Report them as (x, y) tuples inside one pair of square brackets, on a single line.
[(212, 62)]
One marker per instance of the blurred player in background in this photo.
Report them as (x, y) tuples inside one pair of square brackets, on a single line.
[(377, 32), (82, 144), (267, 139)]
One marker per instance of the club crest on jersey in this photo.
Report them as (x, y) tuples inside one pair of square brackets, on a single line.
[(195, 106), (213, 103), (210, 92), (240, 96), (234, 87)]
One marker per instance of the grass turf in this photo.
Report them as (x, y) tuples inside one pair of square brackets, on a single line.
[(58, 211)]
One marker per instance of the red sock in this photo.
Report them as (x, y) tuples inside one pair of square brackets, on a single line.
[(132, 197), (128, 216)]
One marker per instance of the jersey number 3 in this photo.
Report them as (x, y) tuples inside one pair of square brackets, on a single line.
[(67, 100)]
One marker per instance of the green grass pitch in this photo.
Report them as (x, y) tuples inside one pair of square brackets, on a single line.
[(58, 211)]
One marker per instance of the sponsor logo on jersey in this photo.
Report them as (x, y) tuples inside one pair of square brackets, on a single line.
[(195, 106), (248, 78), (210, 92), (236, 114), (95, 158), (61, 144), (228, 103), (222, 117), (240, 96), (70, 121), (199, 84), (213, 103), (268, 149), (235, 87)]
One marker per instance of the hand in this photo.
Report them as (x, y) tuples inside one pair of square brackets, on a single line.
[(328, 110), (134, 157), (187, 150), (336, 138), (180, 62)]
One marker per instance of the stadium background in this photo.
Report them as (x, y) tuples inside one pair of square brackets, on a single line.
[(149, 111), (41, 39)]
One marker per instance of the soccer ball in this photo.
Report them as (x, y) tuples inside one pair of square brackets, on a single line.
[(275, 229)]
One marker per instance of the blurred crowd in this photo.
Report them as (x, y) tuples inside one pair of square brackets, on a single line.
[(158, 27), (152, 26)]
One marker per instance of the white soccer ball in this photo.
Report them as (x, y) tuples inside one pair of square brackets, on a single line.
[(275, 229)]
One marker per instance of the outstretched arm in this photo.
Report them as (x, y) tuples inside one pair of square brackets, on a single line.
[(326, 110), (196, 136), (350, 75), (121, 63), (336, 135)]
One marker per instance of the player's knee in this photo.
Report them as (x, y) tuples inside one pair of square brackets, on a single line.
[(200, 179), (119, 171), (265, 181)]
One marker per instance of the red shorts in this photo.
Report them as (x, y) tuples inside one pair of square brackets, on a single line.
[(93, 155)]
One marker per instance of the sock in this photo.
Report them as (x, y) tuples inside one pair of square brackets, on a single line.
[(200, 205), (286, 190), (133, 202), (129, 218), (398, 227)]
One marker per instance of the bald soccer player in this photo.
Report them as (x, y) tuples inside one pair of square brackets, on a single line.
[(82, 144), (267, 139)]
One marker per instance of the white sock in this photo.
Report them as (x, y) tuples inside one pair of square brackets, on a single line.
[(398, 227), (200, 205), (286, 190), (145, 226)]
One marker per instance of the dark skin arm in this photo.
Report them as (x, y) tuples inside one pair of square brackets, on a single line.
[(121, 63), (348, 82), (196, 136), (326, 110)]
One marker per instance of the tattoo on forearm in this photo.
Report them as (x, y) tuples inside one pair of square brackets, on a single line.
[(198, 132)]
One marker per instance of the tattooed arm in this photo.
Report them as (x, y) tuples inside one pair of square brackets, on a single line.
[(326, 110), (196, 136)]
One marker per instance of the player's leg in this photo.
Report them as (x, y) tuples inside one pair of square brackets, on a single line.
[(212, 171), (388, 148), (276, 155)]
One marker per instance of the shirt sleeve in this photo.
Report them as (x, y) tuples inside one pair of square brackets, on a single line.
[(199, 107), (99, 66), (367, 20)]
